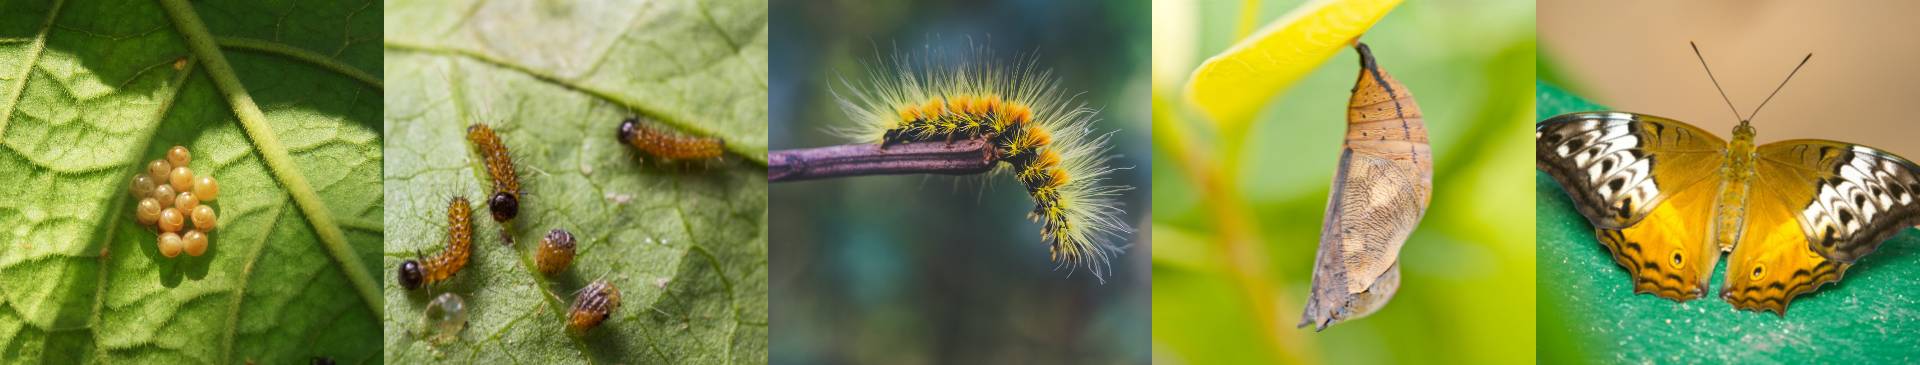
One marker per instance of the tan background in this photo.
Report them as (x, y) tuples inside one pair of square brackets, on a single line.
[(1862, 86)]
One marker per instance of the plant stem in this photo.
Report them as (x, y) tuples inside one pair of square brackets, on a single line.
[(200, 41), (963, 157)]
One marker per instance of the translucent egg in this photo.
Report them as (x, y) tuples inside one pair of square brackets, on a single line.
[(158, 170), (165, 194), (178, 156), (170, 244), (203, 218), (148, 212), (196, 243), (185, 201), (205, 188), (181, 178), (446, 317), (171, 220), (141, 187)]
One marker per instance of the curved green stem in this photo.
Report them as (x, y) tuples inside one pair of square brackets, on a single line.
[(302, 55), (201, 42)]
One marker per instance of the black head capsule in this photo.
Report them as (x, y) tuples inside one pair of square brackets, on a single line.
[(504, 206), (627, 127), (410, 275)]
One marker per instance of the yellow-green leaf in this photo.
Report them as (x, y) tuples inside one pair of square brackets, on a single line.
[(1232, 86)]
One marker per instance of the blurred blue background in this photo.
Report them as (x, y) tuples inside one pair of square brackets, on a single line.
[(937, 269)]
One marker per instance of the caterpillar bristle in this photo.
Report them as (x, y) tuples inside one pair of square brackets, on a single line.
[(505, 201), (1042, 133), (660, 143), (428, 270)]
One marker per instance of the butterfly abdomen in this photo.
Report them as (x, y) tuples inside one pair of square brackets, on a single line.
[(1736, 183)]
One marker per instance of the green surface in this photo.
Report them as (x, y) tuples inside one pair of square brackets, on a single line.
[(685, 245), (282, 110), (1591, 314), (700, 66)]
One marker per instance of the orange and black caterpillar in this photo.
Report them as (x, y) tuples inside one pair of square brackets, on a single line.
[(505, 201), (1044, 135), (661, 143), (1028, 147), (962, 117), (440, 267), (592, 305), (555, 252)]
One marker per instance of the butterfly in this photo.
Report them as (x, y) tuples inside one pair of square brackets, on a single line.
[(1667, 198)]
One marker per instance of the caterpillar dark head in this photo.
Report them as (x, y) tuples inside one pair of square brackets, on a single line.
[(504, 206), (627, 127), (410, 276)]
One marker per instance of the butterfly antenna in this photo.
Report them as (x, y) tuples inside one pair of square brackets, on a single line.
[(1783, 84), (1716, 82)]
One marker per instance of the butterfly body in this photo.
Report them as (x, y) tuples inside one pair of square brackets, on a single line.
[(1666, 198)]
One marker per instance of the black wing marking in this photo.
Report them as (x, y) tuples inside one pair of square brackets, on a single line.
[(1606, 161), (1861, 197)]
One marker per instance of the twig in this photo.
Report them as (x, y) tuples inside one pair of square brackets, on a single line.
[(962, 157)]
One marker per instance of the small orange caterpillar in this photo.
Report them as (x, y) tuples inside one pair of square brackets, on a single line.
[(440, 267), (592, 305), (661, 143), (505, 201), (555, 252), (1045, 137)]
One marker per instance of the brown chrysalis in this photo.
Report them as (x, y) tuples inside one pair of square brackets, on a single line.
[(1379, 193)]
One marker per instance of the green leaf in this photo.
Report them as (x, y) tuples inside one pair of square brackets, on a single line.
[(280, 109), (1590, 308), (1236, 83), (700, 66), (686, 246)]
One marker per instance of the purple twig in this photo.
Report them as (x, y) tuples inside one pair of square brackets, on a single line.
[(962, 157)]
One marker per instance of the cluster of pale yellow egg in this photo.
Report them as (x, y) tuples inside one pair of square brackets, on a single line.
[(170, 196)]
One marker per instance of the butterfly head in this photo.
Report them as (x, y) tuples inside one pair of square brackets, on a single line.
[(1742, 137)]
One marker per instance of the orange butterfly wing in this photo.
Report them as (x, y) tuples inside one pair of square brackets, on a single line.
[(1817, 206), (1647, 184)]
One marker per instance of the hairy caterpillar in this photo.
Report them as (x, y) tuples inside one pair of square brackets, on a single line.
[(658, 142), (1044, 136), (441, 266), (505, 201)]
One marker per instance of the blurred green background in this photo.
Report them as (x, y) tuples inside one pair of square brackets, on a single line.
[(936, 269), (1468, 271)]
